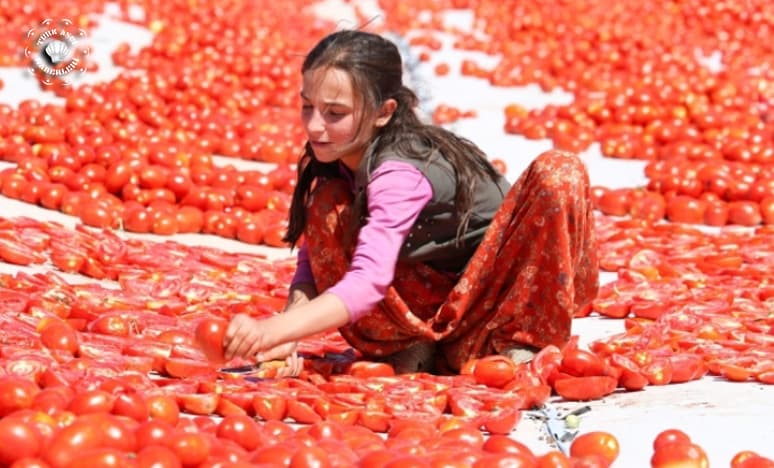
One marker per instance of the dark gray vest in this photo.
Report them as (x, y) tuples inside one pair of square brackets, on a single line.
[(432, 238)]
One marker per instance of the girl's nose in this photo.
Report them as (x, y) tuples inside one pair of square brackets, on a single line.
[(315, 124)]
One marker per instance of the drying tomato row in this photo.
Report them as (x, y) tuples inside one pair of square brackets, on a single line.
[(118, 182), (687, 294), (62, 428), (52, 427)]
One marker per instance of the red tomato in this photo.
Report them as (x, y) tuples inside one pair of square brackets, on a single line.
[(117, 432), (686, 209), (546, 361), (198, 403), (310, 457), (210, 333), (615, 202), (597, 443), (241, 429), (112, 324), (250, 231), (275, 455), (153, 432), (504, 444), (368, 369), (189, 219), (494, 371), (767, 210), (16, 393), (716, 213), (301, 412), (92, 401), (52, 195), (553, 459), (163, 407), (157, 456), (500, 166), (165, 224), (501, 420), (684, 455), (670, 436), (18, 439), (131, 405), (745, 213), (658, 372), (466, 434), (59, 335), (270, 407), (585, 388), (70, 442), (52, 400), (750, 459), (191, 448), (632, 380), (99, 214), (582, 363)]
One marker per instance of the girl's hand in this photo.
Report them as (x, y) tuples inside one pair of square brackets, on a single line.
[(293, 364), (249, 338), (245, 337)]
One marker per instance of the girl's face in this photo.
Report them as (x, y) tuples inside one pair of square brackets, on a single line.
[(332, 117)]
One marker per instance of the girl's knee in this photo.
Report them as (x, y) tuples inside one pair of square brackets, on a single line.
[(556, 169)]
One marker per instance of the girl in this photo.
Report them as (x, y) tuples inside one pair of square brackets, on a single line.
[(414, 247)]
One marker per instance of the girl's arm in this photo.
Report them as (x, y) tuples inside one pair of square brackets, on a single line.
[(247, 336), (323, 313)]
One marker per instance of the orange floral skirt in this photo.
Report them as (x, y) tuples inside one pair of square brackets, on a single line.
[(535, 267)]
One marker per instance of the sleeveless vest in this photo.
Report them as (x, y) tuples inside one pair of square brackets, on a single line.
[(432, 239)]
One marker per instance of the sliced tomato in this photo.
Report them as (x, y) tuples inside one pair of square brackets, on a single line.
[(501, 420), (270, 407), (585, 388), (582, 363), (198, 403), (301, 412), (185, 368)]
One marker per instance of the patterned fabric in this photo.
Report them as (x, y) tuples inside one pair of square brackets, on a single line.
[(536, 266)]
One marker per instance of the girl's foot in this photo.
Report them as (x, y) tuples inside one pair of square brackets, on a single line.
[(520, 354), (417, 358)]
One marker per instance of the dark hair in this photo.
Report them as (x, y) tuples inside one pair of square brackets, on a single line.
[(376, 70)]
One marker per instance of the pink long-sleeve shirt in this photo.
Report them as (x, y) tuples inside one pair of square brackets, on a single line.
[(396, 192)]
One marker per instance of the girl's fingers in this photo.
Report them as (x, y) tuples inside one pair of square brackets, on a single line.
[(248, 341), (278, 352), (253, 350), (235, 342), (294, 364), (232, 337)]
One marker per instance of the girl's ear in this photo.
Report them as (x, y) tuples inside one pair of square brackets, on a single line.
[(385, 113)]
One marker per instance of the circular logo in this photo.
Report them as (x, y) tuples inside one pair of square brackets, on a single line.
[(56, 51)]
